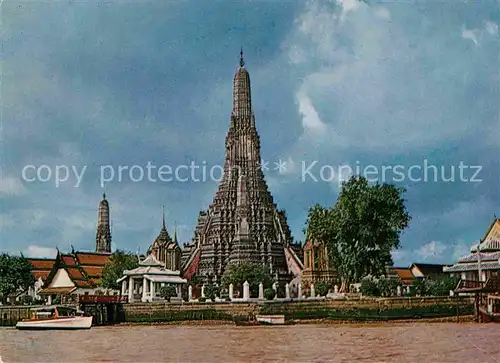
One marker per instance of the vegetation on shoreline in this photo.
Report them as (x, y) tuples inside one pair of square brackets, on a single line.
[(119, 261), (361, 229), (15, 275)]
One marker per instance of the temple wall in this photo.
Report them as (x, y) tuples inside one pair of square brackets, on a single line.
[(363, 309)]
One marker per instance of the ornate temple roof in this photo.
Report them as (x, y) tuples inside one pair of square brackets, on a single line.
[(489, 254), (163, 239), (491, 240), (151, 260), (83, 268), (41, 267), (153, 270), (462, 267)]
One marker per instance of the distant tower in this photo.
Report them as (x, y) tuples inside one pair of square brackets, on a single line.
[(103, 235)]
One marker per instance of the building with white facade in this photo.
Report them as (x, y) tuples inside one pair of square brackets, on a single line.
[(144, 282)]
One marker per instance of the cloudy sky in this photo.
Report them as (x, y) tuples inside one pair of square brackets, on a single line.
[(375, 84)]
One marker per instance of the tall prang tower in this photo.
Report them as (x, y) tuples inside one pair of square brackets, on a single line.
[(243, 223), (103, 235)]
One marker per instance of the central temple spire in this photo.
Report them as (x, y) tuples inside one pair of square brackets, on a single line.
[(242, 101), (242, 224)]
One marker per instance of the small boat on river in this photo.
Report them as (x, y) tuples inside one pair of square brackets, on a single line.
[(55, 317), (271, 319)]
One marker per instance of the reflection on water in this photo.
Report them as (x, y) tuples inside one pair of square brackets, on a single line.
[(297, 343)]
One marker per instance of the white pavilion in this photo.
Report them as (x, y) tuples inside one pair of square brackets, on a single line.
[(144, 282)]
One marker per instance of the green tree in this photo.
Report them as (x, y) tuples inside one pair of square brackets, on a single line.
[(167, 292), (321, 288), (443, 284), (361, 229), (269, 293), (27, 300), (118, 262), (387, 287), (439, 286), (195, 280), (369, 287), (251, 272), (420, 287), (15, 275), (212, 291)]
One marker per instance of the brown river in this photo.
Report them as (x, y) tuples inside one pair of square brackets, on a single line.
[(409, 342)]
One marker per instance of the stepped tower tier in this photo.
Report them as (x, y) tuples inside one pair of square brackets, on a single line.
[(103, 234), (242, 224)]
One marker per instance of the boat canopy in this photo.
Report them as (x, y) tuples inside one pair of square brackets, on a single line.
[(53, 307)]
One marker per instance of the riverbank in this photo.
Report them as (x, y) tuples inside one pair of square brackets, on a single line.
[(466, 319)]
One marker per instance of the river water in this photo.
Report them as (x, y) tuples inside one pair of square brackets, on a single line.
[(409, 342)]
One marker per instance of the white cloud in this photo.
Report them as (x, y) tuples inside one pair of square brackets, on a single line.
[(377, 86), (432, 250), (491, 28), (471, 35), (347, 7), (460, 249), (6, 221), (383, 13), (310, 119), (35, 251), (400, 255), (11, 186)]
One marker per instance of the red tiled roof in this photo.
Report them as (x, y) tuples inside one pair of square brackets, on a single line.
[(95, 259), (40, 274), (41, 263), (75, 273), (68, 260), (83, 283), (93, 271), (95, 281), (405, 275), (56, 290), (429, 269), (192, 268)]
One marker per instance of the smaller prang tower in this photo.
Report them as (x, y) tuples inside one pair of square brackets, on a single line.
[(103, 235)]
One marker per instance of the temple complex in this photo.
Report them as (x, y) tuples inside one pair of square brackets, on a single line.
[(484, 258), (103, 234), (243, 223), (166, 250)]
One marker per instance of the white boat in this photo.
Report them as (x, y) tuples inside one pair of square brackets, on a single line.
[(55, 317), (271, 319)]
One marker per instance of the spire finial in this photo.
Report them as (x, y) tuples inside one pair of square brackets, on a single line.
[(163, 217), (175, 232), (242, 62)]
